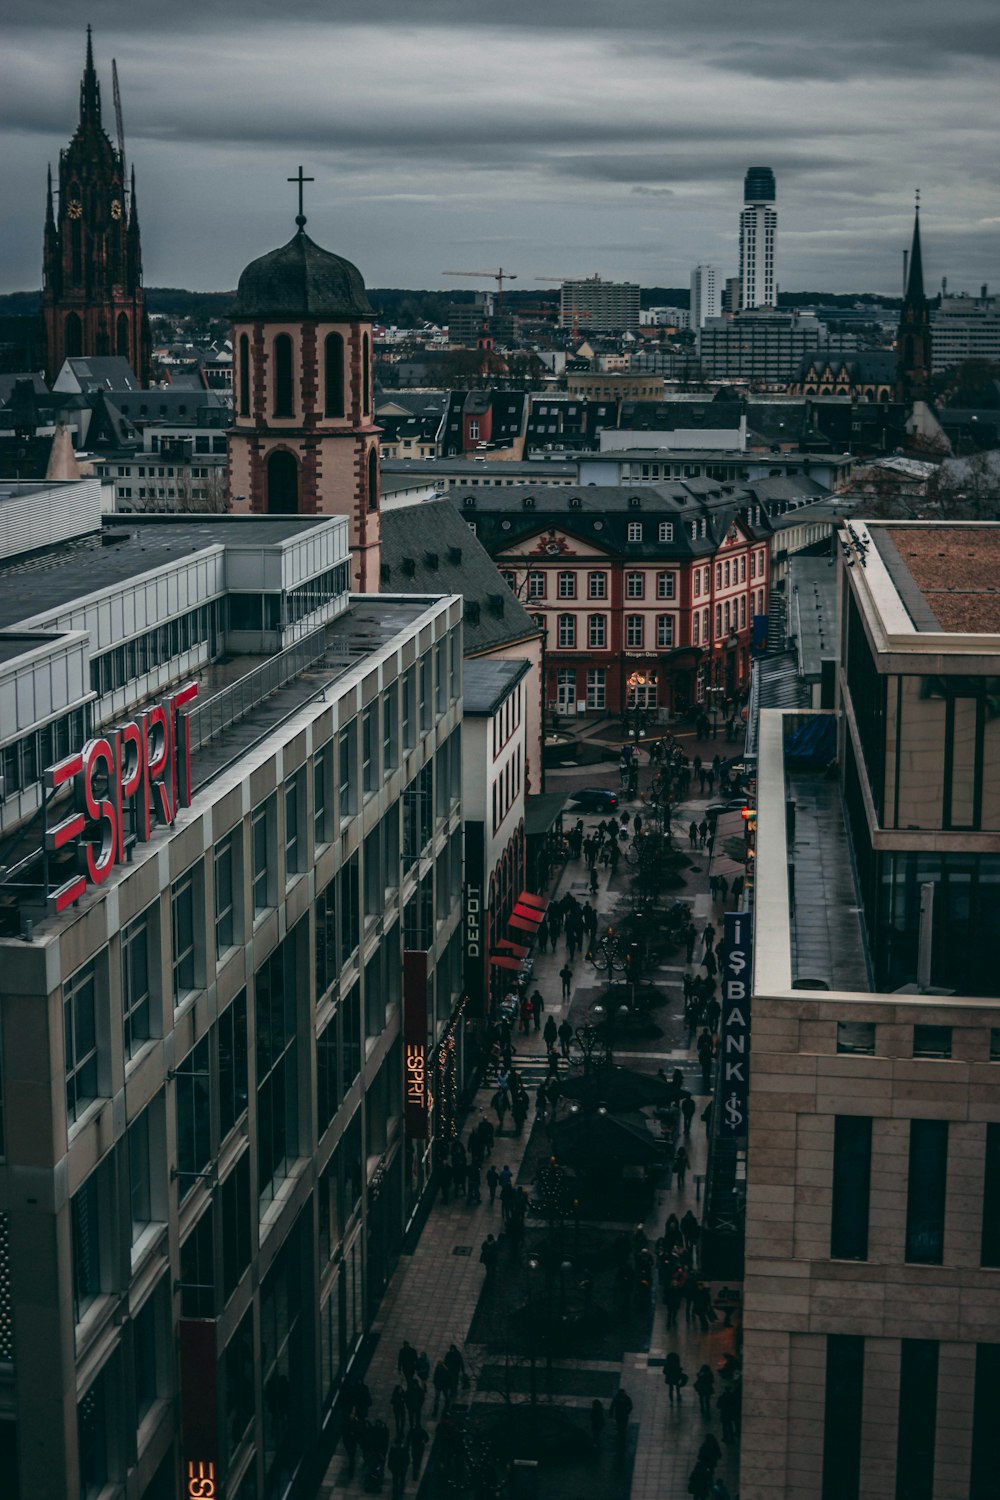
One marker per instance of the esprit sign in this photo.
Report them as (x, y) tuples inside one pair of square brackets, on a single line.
[(125, 783), (200, 1480), (416, 1077), (734, 1079)]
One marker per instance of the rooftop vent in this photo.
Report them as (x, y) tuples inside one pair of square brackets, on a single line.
[(454, 556), (472, 611), (409, 567), (497, 605), (114, 538), (384, 572), (431, 559)]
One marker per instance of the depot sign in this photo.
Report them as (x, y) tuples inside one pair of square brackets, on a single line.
[(126, 783)]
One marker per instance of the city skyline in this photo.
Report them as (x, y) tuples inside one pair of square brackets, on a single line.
[(435, 144)]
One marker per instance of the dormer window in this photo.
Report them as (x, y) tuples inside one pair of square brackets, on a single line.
[(635, 502), (575, 502), (635, 531), (469, 502), (528, 503)]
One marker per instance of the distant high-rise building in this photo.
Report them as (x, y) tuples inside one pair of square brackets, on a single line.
[(706, 294), (92, 297), (758, 234), (599, 306), (731, 295)]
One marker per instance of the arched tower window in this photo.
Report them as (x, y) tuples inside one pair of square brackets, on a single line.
[(334, 373), (283, 406), (74, 336), (366, 376), (282, 484), (244, 375), (121, 336), (373, 479)]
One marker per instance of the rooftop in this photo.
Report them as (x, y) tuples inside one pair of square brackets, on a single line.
[(487, 681), (126, 548), (953, 572)]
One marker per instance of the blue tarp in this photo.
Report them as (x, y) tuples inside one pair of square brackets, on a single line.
[(814, 743)]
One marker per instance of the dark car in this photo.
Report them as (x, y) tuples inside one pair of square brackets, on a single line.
[(733, 805), (594, 799)]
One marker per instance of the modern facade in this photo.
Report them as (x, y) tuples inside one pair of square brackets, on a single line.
[(758, 240), (762, 347), (92, 297), (231, 985), (599, 306), (872, 1289), (965, 328), (706, 295)]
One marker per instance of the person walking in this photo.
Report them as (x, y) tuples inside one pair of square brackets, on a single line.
[(705, 1050), (537, 1006), (674, 1377), (444, 1178), (542, 935), (708, 936), (418, 1446), (699, 1482), (399, 1462), (351, 1436), (621, 1410), (488, 1257), (688, 1108), (442, 1386), (693, 834), (406, 1361), (680, 1167), (566, 975), (492, 1182), (416, 1394), (709, 1453), (704, 1384), (455, 1365), (565, 1037), (691, 1230), (397, 1405), (499, 1102), (550, 1033)]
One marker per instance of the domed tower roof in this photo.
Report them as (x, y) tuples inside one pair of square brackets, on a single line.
[(302, 280)]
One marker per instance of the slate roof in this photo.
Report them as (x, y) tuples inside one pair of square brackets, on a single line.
[(486, 682), (429, 549), (302, 280), (680, 416)]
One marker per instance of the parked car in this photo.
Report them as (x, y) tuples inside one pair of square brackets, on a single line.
[(733, 805), (594, 799)]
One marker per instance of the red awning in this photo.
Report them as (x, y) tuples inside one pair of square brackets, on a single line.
[(499, 962), (522, 926), (515, 948), (527, 899), (528, 914)]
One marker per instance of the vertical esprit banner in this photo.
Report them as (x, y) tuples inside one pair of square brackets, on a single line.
[(415, 1043), (199, 1423), (734, 1061)]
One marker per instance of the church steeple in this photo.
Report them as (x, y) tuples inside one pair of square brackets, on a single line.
[(90, 89), (913, 339)]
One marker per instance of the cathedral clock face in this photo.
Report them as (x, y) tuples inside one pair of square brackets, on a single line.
[(75, 209), (116, 208)]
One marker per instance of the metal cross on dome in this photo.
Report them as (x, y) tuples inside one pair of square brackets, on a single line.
[(301, 180)]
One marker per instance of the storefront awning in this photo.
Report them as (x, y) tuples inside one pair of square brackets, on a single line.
[(528, 913), (498, 961), (522, 925), (508, 946), (542, 812)]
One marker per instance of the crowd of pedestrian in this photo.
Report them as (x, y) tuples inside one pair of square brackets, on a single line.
[(400, 1449)]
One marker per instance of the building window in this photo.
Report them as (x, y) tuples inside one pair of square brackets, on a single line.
[(845, 1369), (293, 811), (857, 1037), (390, 748), (567, 585), (536, 585), (635, 531), (260, 872), (718, 621), (86, 1226), (283, 384), (635, 585), (597, 631), (918, 1383), (244, 376), (135, 982), (695, 632), (596, 684), (983, 1473), (664, 631), (80, 1033), (225, 895), (753, 565), (665, 585), (932, 1041), (347, 753), (192, 1098), (197, 1278), (990, 1245), (277, 1083), (634, 630), (327, 1075), (852, 1165), (369, 768), (140, 1193), (334, 373), (666, 531), (473, 429), (567, 631), (182, 936), (697, 582), (597, 585), (510, 579), (718, 575), (92, 1433), (926, 1189)]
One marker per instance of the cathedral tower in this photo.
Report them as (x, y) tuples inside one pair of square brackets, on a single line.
[(92, 298), (304, 439), (913, 340)]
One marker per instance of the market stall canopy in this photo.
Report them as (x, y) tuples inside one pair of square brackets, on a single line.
[(585, 1139), (621, 1089)]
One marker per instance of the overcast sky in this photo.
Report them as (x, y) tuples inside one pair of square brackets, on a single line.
[(555, 137)]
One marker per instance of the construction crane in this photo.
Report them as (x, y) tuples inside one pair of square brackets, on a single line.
[(577, 312), (499, 277), (118, 123)]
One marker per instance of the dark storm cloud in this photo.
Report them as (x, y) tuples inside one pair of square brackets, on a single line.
[(543, 125)]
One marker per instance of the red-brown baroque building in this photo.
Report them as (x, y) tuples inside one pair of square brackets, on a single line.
[(648, 595)]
